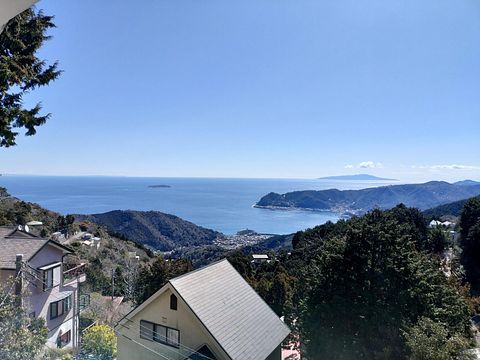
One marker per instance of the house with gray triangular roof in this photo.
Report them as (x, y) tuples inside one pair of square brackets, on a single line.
[(209, 313)]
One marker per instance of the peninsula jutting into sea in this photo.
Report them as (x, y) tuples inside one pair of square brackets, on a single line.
[(422, 196)]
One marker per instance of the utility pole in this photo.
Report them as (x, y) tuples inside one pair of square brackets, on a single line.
[(18, 279), (113, 284)]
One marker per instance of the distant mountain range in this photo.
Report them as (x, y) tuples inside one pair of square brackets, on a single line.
[(467, 183), (422, 196), (359, 177), (153, 228)]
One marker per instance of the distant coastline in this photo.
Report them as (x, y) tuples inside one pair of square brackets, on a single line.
[(159, 186), (356, 177)]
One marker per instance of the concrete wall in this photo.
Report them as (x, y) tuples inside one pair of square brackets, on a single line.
[(192, 333)]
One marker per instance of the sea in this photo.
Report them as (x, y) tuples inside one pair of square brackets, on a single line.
[(222, 204)]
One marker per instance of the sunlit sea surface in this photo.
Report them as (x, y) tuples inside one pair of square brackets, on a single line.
[(225, 205)]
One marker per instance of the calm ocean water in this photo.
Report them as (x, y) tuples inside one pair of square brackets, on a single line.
[(220, 204)]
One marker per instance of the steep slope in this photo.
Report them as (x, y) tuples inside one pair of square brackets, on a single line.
[(450, 209), (153, 228), (422, 196)]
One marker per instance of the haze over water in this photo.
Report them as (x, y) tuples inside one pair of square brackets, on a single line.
[(221, 204)]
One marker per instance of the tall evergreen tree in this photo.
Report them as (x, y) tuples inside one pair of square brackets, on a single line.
[(366, 282), (21, 71)]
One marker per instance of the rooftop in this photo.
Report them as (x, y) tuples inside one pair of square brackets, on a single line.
[(234, 314), (14, 241)]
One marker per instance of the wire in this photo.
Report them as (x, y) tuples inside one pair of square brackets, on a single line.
[(142, 345), (186, 348), (11, 287)]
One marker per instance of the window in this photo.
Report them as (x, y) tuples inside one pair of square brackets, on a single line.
[(48, 279), (67, 304), (159, 333), (173, 337), (147, 330), (51, 275), (64, 339), (60, 307), (173, 302), (54, 310)]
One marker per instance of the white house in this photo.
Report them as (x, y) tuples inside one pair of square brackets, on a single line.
[(260, 258), (52, 291), (209, 313)]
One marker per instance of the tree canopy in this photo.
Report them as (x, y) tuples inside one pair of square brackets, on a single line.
[(21, 337), (369, 281), (470, 241), (100, 341), (22, 71)]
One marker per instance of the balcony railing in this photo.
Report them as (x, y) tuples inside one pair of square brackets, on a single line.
[(76, 273)]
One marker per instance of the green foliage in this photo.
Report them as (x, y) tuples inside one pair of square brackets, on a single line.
[(153, 228), (20, 336), (153, 276), (470, 215), (21, 71), (470, 241), (370, 276), (100, 341), (438, 239), (3, 192), (430, 340), (451, 209)]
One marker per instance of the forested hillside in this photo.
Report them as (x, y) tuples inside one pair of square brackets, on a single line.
[(344, 284), (153, 228), (450, 209), (421, 196)]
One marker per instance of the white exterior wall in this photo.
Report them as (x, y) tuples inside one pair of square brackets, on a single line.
[(39, 300), (192, 333)]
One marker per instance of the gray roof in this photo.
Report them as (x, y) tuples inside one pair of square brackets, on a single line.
[(234, 314), (14, 241)]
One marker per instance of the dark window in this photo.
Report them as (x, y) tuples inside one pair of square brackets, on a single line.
[(47, 279), (173, 302), (54, 310), (60, 307), (64, 339), (159, 333), (147, 330)]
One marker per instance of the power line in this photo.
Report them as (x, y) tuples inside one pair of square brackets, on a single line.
[(11, 287), (186, 348), (142, 345)]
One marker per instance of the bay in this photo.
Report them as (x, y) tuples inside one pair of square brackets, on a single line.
[(222, 204)]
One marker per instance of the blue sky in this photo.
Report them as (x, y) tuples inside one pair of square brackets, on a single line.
[(271, 88)]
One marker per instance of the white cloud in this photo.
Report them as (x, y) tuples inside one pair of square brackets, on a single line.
[(349, 166), (446, 167), (370, 165), (454, 167)]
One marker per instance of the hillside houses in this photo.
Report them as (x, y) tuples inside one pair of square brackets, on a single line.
[(51, 289)]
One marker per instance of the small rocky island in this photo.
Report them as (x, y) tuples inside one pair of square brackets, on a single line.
[(159, 186)]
